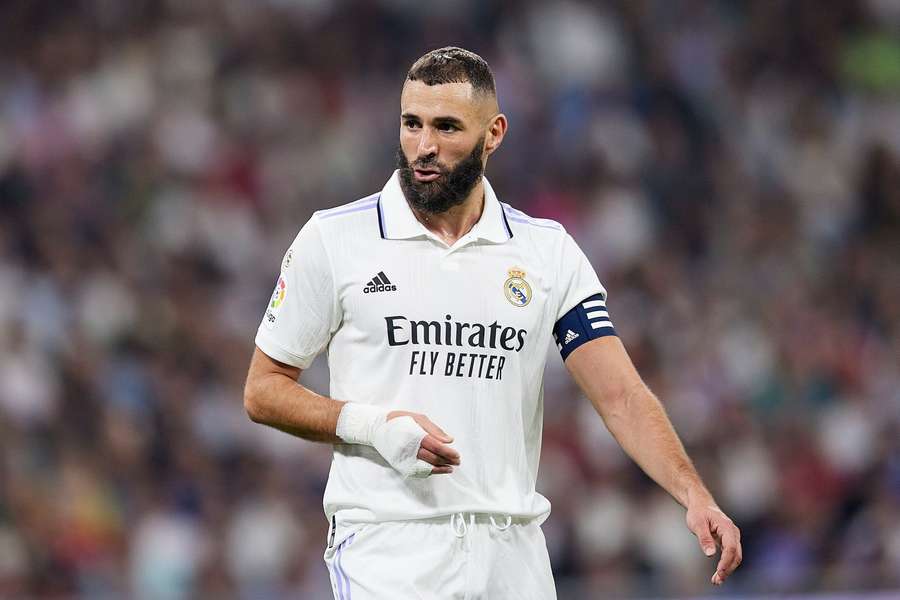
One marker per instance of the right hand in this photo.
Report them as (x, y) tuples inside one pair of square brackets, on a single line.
[(433, 448)]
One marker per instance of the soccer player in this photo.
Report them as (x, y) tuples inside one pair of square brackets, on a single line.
[(436, 303)]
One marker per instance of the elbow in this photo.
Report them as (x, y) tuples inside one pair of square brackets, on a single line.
[(621, 402), (252, 402)]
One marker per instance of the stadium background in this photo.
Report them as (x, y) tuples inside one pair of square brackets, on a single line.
[(731, 168)]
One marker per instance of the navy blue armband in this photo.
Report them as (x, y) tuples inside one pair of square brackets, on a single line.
[(588, 321)]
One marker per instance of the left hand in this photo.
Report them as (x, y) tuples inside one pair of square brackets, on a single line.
[(713, 528)]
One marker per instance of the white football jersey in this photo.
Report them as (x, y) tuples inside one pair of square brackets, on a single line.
[(457, 333)]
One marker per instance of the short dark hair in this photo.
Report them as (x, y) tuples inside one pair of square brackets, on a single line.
[(454, 65)]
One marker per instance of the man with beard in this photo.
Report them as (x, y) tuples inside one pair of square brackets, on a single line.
[(436, 303)]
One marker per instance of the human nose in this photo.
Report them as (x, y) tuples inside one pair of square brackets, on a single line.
[(427, 143)]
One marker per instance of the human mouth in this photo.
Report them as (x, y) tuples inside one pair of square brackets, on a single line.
[(426, 175)]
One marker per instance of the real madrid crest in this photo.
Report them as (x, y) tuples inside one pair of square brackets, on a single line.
[(517, 290)]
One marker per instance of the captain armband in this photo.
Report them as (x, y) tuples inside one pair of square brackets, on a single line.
[(588, 320)]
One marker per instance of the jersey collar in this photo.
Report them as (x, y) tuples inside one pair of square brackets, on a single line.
[(396, 220)]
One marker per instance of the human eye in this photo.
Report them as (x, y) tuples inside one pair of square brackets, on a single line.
[(411, 124), (448, 127)]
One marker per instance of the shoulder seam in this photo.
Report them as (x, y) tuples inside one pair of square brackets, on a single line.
[(352, 207), (517, 216)]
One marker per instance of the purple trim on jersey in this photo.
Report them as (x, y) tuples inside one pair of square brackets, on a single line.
[(339, 568), (518, 216), (347, 211), (529, 222), (326, 211), (349, 542), (334, 575), (381, 219), (340, 573), (506, 222)]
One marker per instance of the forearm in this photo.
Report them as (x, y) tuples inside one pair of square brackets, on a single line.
[(414, 446), (280, 402), (639, 423)]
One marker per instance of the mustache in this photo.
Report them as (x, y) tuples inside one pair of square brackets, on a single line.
[(428, 163)]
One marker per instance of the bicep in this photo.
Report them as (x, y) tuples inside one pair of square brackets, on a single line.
[(604, 371)]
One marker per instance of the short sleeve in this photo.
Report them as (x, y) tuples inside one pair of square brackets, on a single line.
[(577, 279), (303, 312), (581, 313)]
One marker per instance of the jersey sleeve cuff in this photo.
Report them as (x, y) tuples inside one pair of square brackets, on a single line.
[(274, 350), (586, 321)]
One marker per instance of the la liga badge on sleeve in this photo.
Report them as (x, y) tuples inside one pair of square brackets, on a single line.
[(276, 302)]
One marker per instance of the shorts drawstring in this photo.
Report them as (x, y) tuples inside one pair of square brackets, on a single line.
[(458, 523), (460, 528), (505, 527)]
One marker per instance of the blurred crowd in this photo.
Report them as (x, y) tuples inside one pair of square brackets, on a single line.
[(732, 169)]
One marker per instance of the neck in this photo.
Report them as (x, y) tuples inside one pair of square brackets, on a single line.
[(457, 221)]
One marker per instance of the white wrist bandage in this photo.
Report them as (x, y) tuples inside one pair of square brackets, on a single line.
[(397, 440), (398, 443), (357, 423)]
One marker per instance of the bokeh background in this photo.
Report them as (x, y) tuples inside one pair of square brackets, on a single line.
[(731, 168)]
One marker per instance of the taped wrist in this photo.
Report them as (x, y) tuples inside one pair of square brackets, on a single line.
[(398, 441), (357, 423)]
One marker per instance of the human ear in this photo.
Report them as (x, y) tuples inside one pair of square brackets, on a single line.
[(495, 133)]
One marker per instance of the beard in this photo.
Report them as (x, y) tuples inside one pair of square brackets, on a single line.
[(448, 190)]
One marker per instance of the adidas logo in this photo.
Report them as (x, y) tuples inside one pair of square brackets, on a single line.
[(379, 283), (570, 335)]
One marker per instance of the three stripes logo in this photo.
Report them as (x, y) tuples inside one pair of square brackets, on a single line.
[(379, 283), (570, 337)]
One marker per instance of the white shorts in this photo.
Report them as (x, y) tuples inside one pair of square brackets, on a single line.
[(461, 556)]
